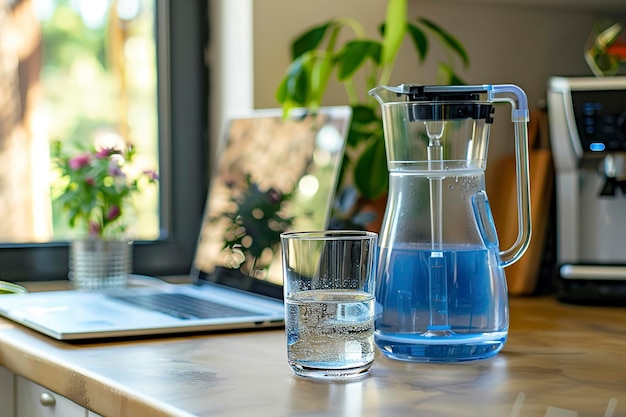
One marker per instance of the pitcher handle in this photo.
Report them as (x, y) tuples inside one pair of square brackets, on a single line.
[(520, 117)]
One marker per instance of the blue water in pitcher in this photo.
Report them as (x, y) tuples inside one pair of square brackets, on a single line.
[(467, 321)]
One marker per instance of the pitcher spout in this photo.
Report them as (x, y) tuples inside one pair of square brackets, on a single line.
[(401, 93)]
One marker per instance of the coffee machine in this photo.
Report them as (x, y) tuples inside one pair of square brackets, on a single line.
[(587, 118)]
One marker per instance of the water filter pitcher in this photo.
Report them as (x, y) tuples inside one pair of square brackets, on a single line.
[(441, 290)]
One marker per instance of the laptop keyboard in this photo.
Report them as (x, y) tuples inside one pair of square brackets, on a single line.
[(182, 306)]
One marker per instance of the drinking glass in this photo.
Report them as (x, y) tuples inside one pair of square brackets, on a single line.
[(329, 302)]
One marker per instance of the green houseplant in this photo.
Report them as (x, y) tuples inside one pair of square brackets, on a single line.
[(318, 53)]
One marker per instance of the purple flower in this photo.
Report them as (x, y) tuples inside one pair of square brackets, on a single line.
[(79, 161), (90, 181), (152, 175), (114, 213), (94, 228), (115, 170), (104, 153)]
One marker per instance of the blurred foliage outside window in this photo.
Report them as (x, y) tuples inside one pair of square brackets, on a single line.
[(90, 79)]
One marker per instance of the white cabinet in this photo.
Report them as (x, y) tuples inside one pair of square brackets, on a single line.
[(33, 400), (20, 397), (7, 393)]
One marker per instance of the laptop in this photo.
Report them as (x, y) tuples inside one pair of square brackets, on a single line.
[(272, 174)]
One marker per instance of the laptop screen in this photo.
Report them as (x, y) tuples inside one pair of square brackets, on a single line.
[(273, 174)]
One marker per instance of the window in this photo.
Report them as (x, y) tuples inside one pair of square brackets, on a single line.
[(179, 106)]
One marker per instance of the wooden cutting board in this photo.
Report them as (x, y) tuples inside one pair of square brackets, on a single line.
[(522, 276)]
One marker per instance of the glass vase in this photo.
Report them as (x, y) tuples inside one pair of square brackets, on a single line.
[(98, 264)]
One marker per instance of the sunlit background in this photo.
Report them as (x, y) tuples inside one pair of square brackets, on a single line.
[(89, 77)]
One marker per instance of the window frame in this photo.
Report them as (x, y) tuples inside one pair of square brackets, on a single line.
[(183, 85)]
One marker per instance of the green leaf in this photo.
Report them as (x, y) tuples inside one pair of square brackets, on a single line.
[(309, 40), (281, 91), (298, 80), (296, 85), (419, 40), (353, 54), (363, 114), (447, 76), (395, 28), (364, 126), (320, 74), (455, 79), (447, 39), (357, 135), (370, 172)]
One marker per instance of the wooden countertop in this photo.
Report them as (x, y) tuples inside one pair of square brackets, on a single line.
[(560, 361)]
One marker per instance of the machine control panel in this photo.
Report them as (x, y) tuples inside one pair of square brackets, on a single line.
[(600, 119)]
